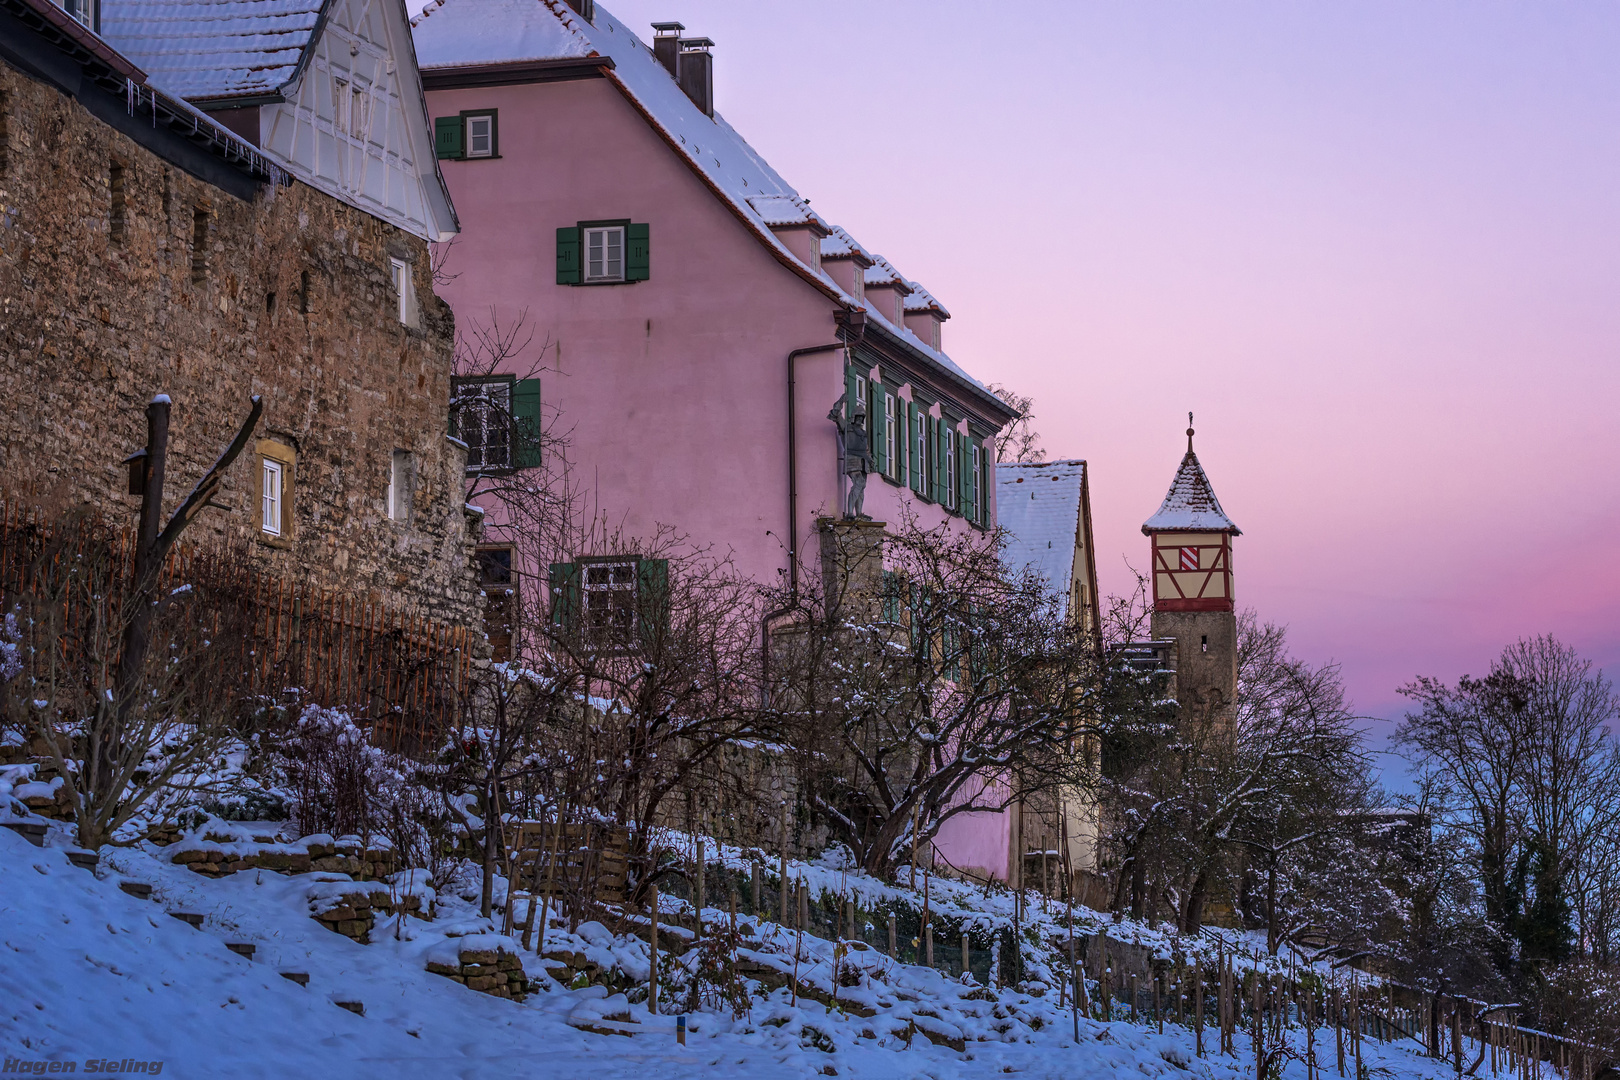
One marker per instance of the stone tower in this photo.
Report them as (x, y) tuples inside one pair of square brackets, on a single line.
[(1191, 552)]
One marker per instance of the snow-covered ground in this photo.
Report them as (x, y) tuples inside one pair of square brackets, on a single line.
[(88, 973)]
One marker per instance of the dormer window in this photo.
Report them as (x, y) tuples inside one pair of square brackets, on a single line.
[(604, 253)]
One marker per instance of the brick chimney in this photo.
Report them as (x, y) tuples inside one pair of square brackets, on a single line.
[(667, 45), (695, 72)]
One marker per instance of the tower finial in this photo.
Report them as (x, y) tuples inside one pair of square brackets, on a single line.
[(1189, 433)]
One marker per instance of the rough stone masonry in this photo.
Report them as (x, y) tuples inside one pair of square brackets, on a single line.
[(123, 275)]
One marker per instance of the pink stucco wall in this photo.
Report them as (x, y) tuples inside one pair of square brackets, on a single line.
[(673, 390)]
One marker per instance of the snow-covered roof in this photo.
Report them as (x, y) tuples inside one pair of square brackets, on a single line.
[(206, 49), (457, 33), (1191, 504), (497, 32), (923, 300), (882, 272), (784, 210), (1038, 504)]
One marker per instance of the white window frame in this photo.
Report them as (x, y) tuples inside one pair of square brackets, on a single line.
[(977, 461), (272, 504), (616, 600), (484, 400), (891, 436), (924, 473), (488, 122), (602, 267), (399, 486), (400, 271)]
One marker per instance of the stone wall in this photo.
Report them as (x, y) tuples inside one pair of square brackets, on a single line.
[(123, 276)]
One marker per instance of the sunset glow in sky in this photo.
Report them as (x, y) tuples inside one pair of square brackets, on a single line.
[(1373, 246)]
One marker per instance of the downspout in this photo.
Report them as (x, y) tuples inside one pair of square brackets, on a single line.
[(853, 326)]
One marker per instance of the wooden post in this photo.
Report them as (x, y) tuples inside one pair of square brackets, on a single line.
[(967, 961), (894, 946), (783, 912), (1133, 997), (1338, 1026), (698, 893), (1456, 1034), (652, 977), (1198, 1011), (1158, 1002), (756, 897)]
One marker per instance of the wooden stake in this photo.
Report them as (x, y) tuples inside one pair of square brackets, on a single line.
[(652, 978)]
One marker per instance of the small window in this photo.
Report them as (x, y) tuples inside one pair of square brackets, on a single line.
[(978, 487), (271, 501), (400, 271), (199, 244), (924, 462), (483, 414), (399, 486), (604, 253), (496, 579), (610, 602), (480, 135), (892, 441)]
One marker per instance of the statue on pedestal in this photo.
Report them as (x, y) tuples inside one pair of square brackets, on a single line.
[(855, 450)]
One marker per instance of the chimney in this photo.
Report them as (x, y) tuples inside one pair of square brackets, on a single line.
[(696, 72), (586, 9), (666, 45)]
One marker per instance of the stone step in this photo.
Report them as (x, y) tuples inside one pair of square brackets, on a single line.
[(32, 831), (299, 977), (84, 860), (140, 890), (356, 1007), (242, 948), (192, 918)]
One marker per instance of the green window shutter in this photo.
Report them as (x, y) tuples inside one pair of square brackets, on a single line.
[(877, 424), (570, 270), (637, 262), (563, 583), (964, 475), (983, 481), (652, 601), (526, 424), (851, 392), (914, 465), (449, 137)]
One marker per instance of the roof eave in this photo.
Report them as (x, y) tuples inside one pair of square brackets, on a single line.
[(986, 400), (514, 72)]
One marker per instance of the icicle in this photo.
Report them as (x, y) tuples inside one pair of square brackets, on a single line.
[(129, 95)]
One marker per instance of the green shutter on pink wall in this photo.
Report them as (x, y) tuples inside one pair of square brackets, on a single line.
[(570, 269)]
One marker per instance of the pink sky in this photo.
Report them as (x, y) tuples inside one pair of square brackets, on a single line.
[(1373, 246)]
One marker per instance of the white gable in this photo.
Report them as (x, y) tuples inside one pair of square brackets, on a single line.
[(1039, 507), (354, 123)]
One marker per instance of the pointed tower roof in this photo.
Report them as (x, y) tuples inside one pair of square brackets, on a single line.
[(1190, 505)]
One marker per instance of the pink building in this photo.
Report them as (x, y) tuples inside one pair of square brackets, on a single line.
[(680, 295)]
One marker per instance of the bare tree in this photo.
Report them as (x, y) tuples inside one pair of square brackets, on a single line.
[(1018, 441), (128, 677), (938, 687)]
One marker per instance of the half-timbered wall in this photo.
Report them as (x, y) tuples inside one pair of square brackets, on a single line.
[(1192, 571)]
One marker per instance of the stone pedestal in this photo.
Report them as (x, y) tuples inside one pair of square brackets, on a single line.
[(852, 566)]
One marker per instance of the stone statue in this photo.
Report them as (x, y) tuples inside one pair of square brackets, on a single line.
[(854, 447)]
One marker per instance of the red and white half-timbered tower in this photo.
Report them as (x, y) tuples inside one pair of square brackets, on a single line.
[(1191, 549)]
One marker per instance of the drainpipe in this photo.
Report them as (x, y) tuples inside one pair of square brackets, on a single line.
[(853, 326)]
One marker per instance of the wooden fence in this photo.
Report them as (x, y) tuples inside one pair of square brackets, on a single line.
[(294, 643)]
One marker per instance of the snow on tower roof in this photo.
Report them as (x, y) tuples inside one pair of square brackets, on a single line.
[(1190, 505), (206, 49), (459, 33), (1039, 506)]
